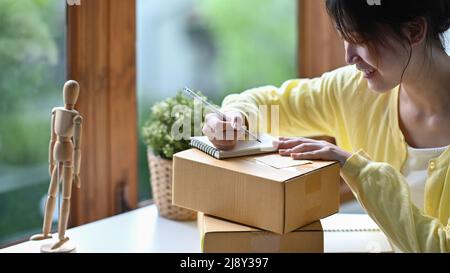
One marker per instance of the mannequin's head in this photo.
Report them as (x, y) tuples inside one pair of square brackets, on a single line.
[(70, 92)]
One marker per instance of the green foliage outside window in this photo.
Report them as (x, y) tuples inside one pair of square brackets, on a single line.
[(32, 73), (256, 41)]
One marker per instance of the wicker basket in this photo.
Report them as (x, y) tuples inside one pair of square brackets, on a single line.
[(161, 182)]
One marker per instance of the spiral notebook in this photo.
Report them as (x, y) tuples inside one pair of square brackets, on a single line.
[(349, 223), (352, 233), (243, 148)]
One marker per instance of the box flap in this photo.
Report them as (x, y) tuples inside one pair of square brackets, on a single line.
[(250, 166), (214, 224), (281, 162)]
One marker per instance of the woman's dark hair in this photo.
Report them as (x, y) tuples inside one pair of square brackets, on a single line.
[(368, 21)]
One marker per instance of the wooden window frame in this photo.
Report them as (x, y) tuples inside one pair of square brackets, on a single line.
[(101, 46), (319, 47)]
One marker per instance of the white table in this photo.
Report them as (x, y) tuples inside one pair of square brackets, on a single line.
[(142, 230)]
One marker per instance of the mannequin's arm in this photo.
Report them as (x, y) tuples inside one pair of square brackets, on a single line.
[(51, 160), (77, 120)]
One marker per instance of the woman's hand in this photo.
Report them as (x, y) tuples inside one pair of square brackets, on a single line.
[(224, 134), (310, 149)]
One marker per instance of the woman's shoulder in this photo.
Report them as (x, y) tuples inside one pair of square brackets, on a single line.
[(348, 83), (346, 79), (345, 84), (343, 78), (347, 73)]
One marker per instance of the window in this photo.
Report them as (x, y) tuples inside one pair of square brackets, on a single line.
[(218, 47), (32, 61)]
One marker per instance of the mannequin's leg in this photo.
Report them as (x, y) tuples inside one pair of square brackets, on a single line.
[(50, 205), (65, 208)]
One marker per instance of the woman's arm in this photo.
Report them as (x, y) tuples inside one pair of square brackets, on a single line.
[(384, 193), (307, 107)]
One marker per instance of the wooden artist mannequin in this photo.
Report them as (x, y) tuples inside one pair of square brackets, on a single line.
[(65, 155)]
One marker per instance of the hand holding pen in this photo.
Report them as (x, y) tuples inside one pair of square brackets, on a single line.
[(222, 129), (224, 133)]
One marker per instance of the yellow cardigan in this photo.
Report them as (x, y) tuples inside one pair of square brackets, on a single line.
[(340, 104)]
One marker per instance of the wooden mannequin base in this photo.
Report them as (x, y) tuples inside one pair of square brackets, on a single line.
[(67, 247)]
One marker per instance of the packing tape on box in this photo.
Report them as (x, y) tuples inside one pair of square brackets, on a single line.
[(312, 188), (313, 197)]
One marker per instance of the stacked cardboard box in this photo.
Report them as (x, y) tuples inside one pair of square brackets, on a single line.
[(254, 207), (221, 236)]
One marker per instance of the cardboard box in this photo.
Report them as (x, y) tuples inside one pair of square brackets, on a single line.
[(220, 236), (246, 191)]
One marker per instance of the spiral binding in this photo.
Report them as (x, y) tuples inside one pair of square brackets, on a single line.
[(212, 151), (353, 230)]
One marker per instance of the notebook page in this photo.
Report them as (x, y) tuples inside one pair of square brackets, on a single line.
[(354, 233), (248, 146), (349, 222)]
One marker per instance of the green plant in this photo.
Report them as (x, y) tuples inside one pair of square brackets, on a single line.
[(173, 112)]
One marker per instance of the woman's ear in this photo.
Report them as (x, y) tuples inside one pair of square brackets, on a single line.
[(416, 31)]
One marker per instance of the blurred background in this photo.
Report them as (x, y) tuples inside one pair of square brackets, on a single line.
[(32, 73)]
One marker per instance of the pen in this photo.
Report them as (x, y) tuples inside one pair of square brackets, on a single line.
[(188, 92)]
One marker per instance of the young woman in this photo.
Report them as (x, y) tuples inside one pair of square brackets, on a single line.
[(389, 113)]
